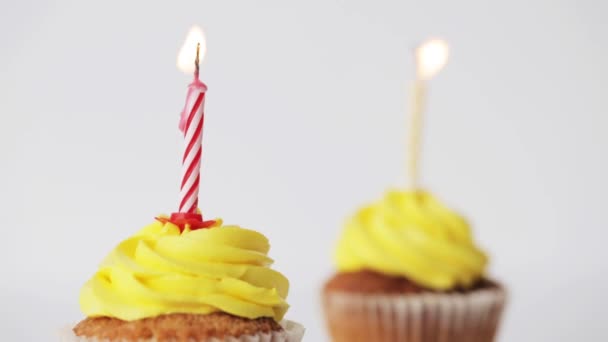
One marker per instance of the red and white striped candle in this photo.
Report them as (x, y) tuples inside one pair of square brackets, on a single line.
[(191, 122)]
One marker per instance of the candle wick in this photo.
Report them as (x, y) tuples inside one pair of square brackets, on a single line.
[(196, 60)]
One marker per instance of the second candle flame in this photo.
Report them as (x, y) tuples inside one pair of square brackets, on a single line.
[(187, 54)]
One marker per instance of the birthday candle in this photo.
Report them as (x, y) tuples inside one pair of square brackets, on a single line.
[(191, 121), (430, 57)]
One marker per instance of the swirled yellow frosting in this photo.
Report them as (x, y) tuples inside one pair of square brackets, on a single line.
[(412, 234), (161, 270)]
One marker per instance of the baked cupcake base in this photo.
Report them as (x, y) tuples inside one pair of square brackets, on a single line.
[(185, 327), (367, 306)]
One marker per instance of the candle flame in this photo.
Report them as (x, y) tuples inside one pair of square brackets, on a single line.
[(431, 57), (187, 54)]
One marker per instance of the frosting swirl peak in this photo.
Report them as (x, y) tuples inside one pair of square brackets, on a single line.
[(412, 234), (162, 270)]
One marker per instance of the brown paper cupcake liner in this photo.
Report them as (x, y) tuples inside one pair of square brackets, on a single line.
[(292, 332), (429, 317)]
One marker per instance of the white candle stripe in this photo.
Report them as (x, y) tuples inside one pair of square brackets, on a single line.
[(190, 157), (189, 181), (190, 203), (198, 116)]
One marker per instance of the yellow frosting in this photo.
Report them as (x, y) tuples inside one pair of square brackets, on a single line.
[(412, 234), (161, 270)]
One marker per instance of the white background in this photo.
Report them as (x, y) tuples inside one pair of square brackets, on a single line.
[(305, 122)]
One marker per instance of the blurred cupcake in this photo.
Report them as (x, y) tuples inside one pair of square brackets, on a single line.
[(173, 283), (409, 271)]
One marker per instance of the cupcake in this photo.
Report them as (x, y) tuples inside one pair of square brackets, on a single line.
[(172, 282), (410, 271)]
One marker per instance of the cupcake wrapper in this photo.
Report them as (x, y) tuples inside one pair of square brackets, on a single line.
[(432, 317), (292, 332)]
